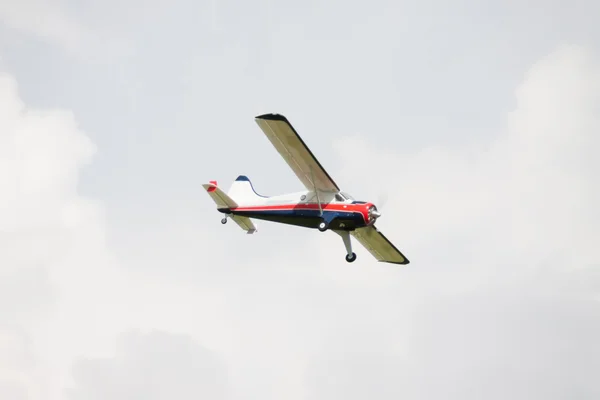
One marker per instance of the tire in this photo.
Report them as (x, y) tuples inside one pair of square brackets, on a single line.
[(323, 226), (352, 258)]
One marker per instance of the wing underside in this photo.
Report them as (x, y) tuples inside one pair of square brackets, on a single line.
[(379, 246), (294, 151)]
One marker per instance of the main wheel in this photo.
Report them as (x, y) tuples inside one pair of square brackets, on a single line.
[(224, 221), (351, 258), (323, 226)]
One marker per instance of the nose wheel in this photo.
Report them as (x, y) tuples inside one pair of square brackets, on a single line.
[(224, 221)]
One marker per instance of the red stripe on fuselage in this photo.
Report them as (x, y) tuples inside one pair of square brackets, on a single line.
[(363, 209)]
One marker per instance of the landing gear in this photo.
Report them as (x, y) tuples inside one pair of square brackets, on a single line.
[(323, 226), (224, 221), (350, 256)]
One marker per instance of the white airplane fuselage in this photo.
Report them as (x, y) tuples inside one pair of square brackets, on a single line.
[(305, 208)]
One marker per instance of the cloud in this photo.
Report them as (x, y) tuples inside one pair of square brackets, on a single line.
[(55, 23), (54, 264), (497, 343), (502, 298), (40, 216), (501, 236), (52, 23), (153, 366), (63, 294), (530, 188)]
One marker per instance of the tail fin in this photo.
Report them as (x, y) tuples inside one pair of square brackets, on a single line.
[(243, 192)]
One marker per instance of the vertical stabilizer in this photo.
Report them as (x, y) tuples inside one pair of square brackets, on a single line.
[(243, 192)]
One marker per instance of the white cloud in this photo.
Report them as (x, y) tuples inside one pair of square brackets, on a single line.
[(531, 191), (63, 294), (496, 343), (53, 259), (488, 280), (153, 366), (501, 239), (51, 21), (502, 296), (55, 23)]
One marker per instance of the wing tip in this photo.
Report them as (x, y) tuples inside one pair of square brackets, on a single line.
[(405, 262), (210, 187), (281, 118), (272, 117)]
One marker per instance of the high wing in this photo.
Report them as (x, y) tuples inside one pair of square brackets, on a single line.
[(378, 245), (295, 152)]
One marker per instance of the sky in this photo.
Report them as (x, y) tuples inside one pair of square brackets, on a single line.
[(471, 125)]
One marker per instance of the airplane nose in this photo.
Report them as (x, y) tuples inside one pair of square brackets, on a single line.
[(375, 214)]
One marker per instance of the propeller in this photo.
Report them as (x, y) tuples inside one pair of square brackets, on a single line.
[(374, 212), (383, 198)]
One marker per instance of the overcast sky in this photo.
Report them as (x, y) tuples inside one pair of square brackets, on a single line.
[(476, 122)]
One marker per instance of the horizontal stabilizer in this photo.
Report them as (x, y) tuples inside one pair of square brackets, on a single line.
[(219, 197), (245, 223), (225, 202)]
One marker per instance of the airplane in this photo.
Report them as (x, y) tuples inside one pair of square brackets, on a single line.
[(322, 205)]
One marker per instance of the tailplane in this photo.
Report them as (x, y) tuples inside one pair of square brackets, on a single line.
[(225, 203), (222, 199)]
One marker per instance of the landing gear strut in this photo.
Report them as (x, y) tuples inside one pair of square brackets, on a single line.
[(350, 256)]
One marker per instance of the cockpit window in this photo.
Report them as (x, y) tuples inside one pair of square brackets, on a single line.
[(343, 196), (347, 196)]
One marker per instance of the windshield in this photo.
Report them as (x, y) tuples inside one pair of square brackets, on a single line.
[(347, 196)]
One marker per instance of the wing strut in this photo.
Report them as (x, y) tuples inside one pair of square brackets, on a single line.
[(312, 177)]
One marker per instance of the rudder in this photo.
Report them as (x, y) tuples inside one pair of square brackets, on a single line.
[(243, 192)]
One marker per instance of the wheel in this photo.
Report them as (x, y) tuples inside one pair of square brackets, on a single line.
[(351, 259), (323, 226), (224, 221)]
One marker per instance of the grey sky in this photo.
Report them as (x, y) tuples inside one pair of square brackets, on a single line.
[(476, 121)]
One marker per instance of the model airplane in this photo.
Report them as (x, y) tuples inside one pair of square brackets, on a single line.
[(322, 205)]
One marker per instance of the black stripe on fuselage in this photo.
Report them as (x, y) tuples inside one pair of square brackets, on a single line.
[(306, 218)]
